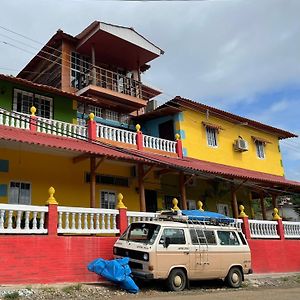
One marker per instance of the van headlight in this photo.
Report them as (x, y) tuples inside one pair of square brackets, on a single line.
[(146, 256)]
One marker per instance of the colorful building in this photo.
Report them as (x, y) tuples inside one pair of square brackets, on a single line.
[(80, 118)]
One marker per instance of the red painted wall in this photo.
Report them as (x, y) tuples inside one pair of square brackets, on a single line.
[(275, 255), (50, 259)]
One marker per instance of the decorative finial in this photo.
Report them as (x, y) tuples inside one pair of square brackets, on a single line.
[(177, 136), (120, 201), (33, 110), (200, 205), (91, 116), (276, 216), (138, 127), (175, 203), (242, 213), (51, 199)]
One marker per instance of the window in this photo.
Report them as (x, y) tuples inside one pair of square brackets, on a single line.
[(80, 68), (260, 149), (108, 199), (112, 115), (203, 237), (107, 179), (211, 135), (227, 238), (19, 192), (97, 111), (223, 209), (23, 101), (176, 236)]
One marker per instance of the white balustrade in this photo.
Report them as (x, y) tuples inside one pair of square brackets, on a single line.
[(60, 128), (79, 220), (291, 229), (116, 134), (135, 216), (22, 219), (237, 223), (263, 229), (14, 119), (159, 144)]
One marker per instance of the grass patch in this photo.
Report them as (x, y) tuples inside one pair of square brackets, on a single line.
[(72, 288), (285, 279), (12, 296)]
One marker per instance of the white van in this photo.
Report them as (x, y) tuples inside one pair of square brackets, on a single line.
[(180, 250)]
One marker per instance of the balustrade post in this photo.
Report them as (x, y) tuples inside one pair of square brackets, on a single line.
[(245, 224), (178, 146), (92, 128), (122, 222), (33, 119), (280, 228), (139, 137), (52, 216)]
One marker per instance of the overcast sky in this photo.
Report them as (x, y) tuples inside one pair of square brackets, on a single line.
[(238, 55)]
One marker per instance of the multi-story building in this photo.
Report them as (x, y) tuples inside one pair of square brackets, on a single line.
[(49, 136)]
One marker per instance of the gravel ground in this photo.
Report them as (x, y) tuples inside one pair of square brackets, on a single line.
[(110, 291)]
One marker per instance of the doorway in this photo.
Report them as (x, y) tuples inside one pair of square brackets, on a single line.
[(151, 200), (166, 130)]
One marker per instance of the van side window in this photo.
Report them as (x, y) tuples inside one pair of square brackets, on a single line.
[(176, 236), (228, 238), (210, 237)]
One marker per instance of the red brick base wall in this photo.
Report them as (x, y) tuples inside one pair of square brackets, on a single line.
[(275, 255), (50, 259)]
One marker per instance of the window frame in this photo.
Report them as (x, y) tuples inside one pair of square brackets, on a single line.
[(211, 136), (163, 236), (229, 244), (19, 194), (260, 148), (36, 100), (108, 206)]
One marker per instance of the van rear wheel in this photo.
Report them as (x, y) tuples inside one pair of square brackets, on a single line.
[(177, 280), (234, 277)]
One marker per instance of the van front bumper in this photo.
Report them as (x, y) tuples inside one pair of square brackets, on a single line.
[(142, 275)]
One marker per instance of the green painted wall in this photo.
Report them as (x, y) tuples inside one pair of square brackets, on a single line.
[(62, 106)]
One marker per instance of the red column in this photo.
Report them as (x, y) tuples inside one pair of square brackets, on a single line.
[(139, 138), (178, 146), (246, 228), (33, 121), (92, 128), (122, 222), (51, 220), (280, 229)]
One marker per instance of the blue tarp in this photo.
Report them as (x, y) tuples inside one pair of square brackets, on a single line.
[(117, 271), (197, 215)]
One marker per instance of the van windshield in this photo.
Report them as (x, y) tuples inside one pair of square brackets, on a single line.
[(141, 232)]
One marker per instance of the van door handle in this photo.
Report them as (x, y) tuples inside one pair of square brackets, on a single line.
[(186, 252)]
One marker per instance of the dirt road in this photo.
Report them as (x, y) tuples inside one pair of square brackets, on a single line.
[(240, 294)]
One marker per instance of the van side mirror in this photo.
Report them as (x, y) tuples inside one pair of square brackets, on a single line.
[(167, 242)]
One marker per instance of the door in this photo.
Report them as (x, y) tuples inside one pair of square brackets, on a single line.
[(151, 200), (166, 130), (175, 253)]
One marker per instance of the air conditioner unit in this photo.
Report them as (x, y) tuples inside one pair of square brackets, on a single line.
[(151, 105), (240, 145)]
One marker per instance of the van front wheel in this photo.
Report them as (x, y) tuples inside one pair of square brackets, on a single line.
[(177, 280), (234, 278)]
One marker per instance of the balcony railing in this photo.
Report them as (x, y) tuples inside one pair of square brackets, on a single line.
[(111, 134), (263, 229)]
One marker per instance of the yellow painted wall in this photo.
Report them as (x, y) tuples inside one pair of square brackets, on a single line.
[(45, 170), (195, 142)]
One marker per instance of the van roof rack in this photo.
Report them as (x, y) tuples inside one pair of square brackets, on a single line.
[(204, 217)]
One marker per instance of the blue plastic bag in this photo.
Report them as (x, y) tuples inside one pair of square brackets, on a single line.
[(117, 271)]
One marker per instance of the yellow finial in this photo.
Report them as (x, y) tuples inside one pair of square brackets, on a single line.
[(242, 213), (276, 215), (120, 203), (175, 203), (138, 127), (51, 199), (91, 116), (177, 136), (33, 110), (200, 205)]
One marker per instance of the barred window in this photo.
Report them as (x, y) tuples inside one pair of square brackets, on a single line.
[(211, 135), (108, 199), (260, 149), (19, 192)]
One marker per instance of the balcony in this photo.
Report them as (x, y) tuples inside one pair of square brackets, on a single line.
[(92, 131), (110, 86)]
